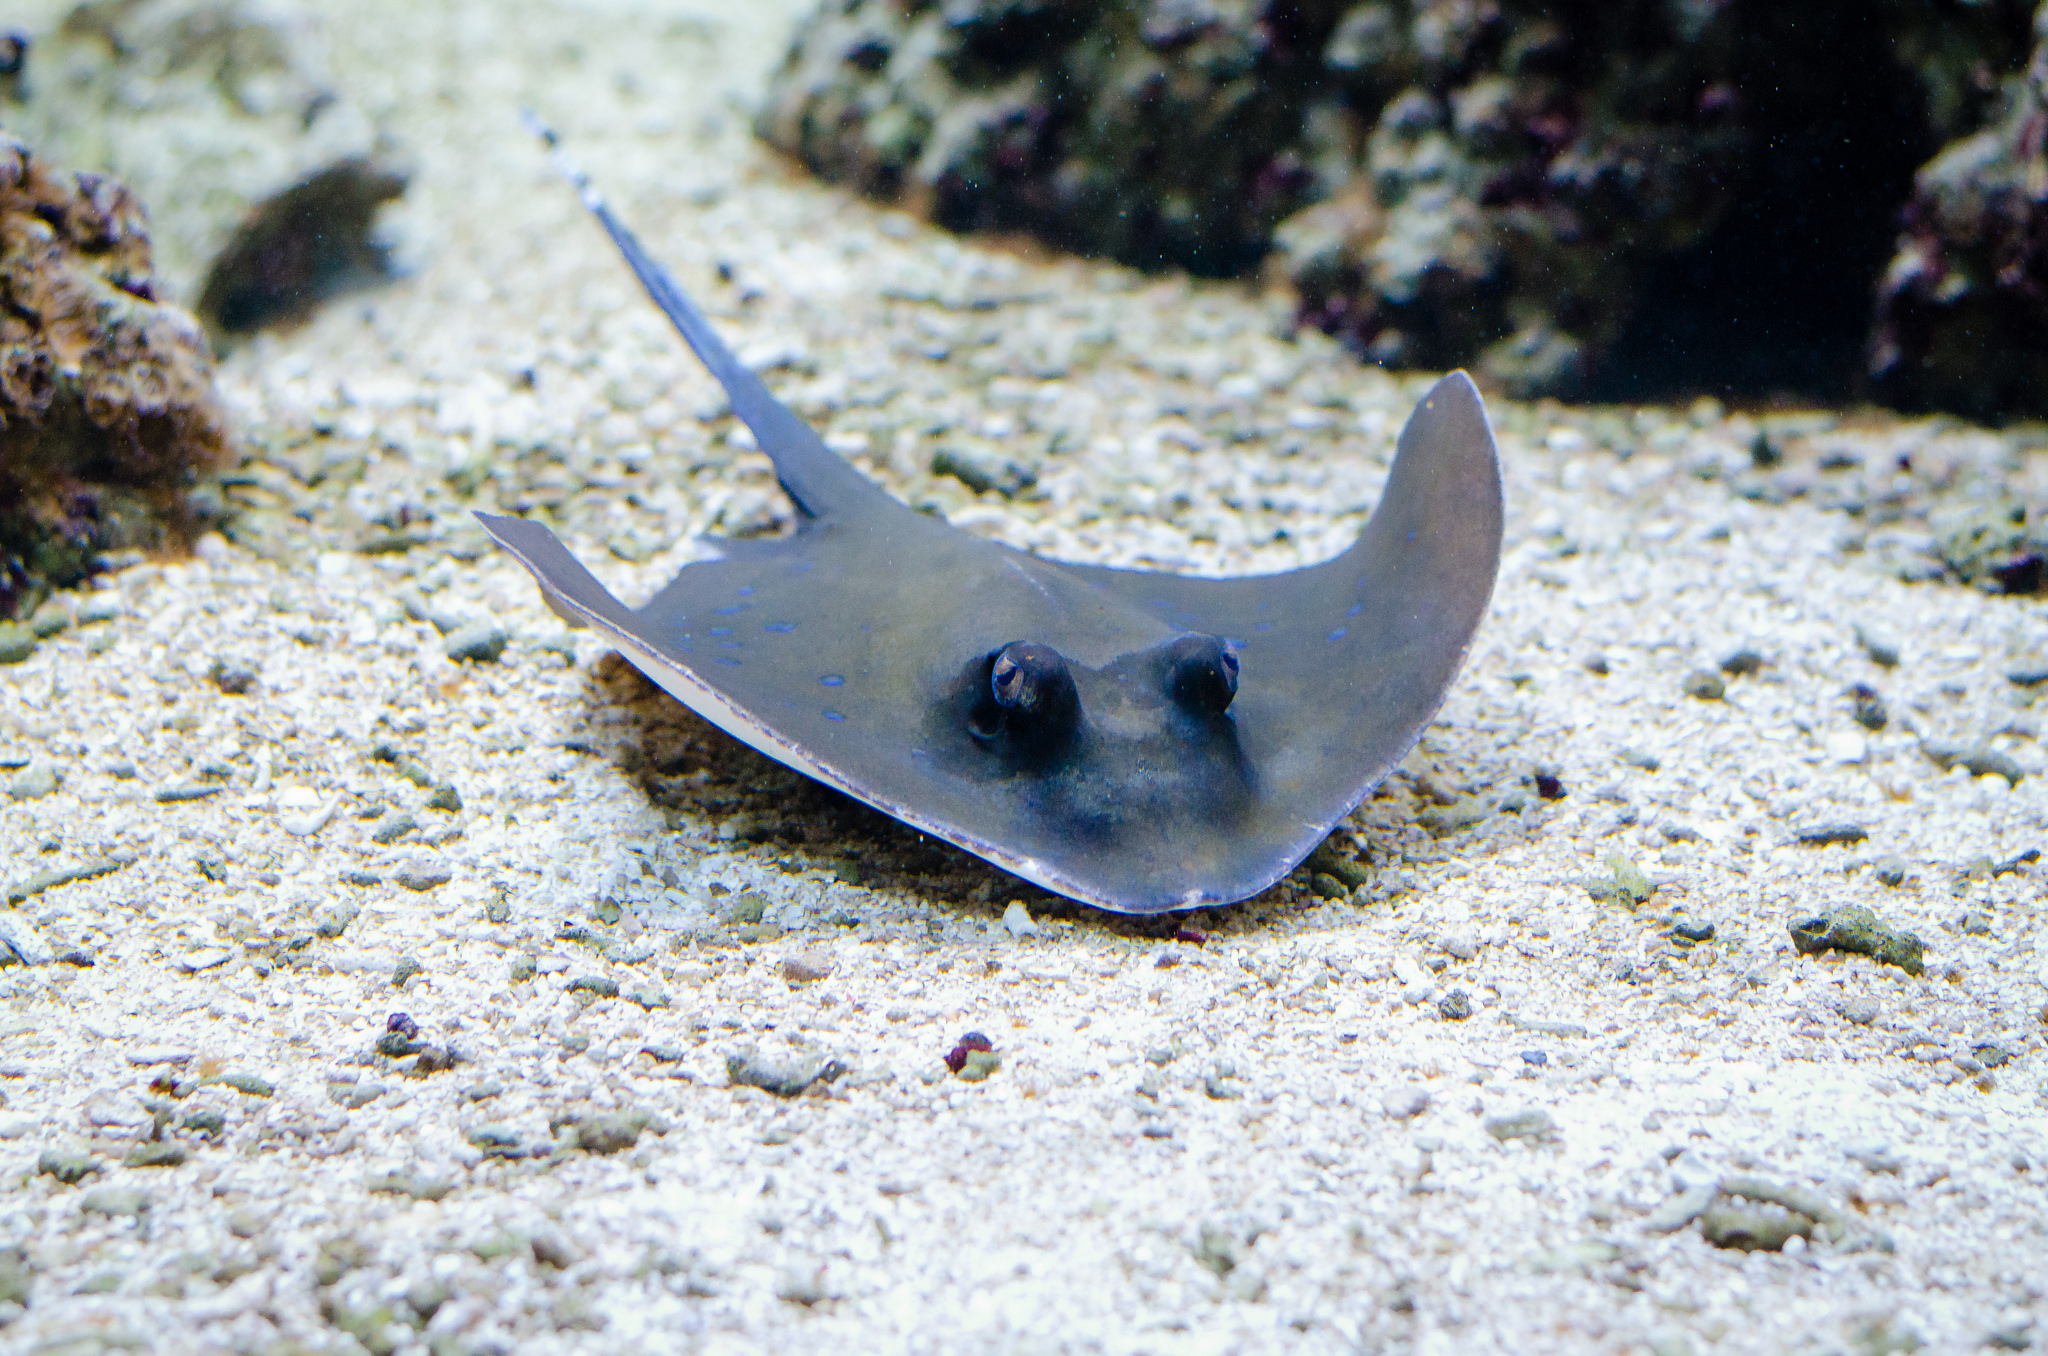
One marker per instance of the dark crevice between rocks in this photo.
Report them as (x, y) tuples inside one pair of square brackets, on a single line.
[(1775, 302)]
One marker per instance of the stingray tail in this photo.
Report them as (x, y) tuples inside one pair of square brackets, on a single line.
[(816, 479)]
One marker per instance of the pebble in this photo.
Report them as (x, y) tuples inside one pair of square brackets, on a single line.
[(480, 642), (2030, 676), (978, 1065), (17, 642), (115, 1201), (648, 998), (1531, 1124), (178, 795), (1405, 1103), (445, 798), (1705, 685), (1018, 921), (69, 1166), (1460, 946), (1832, 835), (1890, 871), (354, 1096), (1742, 663), (156, 1154), (781, 1080), (392, 828), (1883, 651), (1348, 871), (1752, 1227), (50, 880), (331, 920), (806, 967), (601, 986), (404, 970), (1978, 760), (207, 958), (496, 1141), (1692, 930), (1846, 746), (420, 878), (610, 1133), (33, 782), (1855, 928), (248, 1084), (1454, 1006), (231, 678)]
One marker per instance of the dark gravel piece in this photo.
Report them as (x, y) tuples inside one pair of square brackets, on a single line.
[(50, 880), (1705, 685), (1833, 835), (422, 878), (600, 985), (1692, 930), (478, 643), (1854, 928), (174, 795), (2027, 677), (1454, 1006), (1743, 662), (1980, 760), (781, 1080)]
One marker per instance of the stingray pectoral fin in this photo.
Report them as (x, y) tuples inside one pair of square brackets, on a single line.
[(571, 591)]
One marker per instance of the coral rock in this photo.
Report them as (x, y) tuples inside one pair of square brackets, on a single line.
[(107, 408)]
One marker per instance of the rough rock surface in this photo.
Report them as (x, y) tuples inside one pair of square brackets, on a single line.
[(1160, 134), (107, 405), (1963, 306), (262, 181), (1579, 198)]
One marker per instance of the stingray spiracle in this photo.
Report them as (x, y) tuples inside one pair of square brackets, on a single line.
[(1201, 674)]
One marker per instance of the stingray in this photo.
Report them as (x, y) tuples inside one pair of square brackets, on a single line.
[(1136, 740)]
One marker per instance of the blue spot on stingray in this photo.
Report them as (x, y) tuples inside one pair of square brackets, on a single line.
[(779, 628), (1262, 626), (833, 680), (721, 630), (1411, 534), (1338, 634), (833, 715), (745, 589), (727, 660), (1356, 608), (732, 611), (730, 645)]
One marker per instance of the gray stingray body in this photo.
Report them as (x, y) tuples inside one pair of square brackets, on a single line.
[(859, 650)]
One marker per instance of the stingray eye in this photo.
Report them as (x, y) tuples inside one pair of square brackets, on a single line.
[(1201, 674), (1007, 679), (1029, 679)]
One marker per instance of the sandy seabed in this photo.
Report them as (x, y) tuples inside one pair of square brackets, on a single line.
[(1267, 1131)]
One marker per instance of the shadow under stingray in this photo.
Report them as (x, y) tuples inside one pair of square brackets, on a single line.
[(693, 770)]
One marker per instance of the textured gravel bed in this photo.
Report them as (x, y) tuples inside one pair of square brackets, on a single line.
[(1526, 1060)]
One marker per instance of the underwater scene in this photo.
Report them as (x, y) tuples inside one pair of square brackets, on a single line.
[(1168, 676)]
